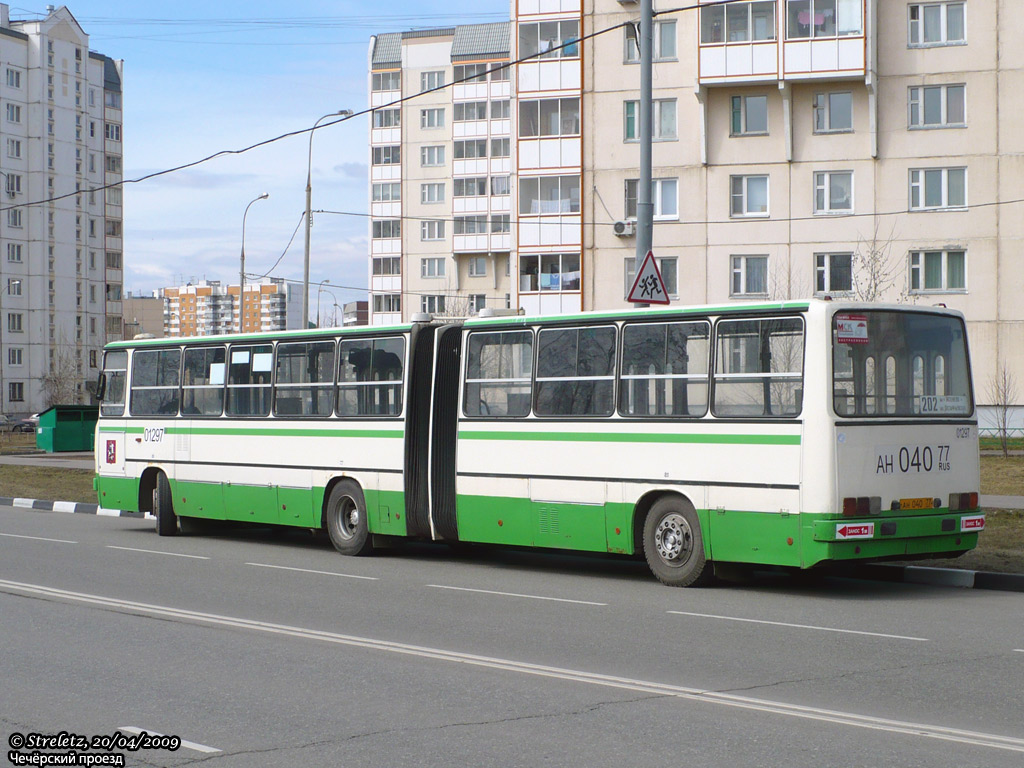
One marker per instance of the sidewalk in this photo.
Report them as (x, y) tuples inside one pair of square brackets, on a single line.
[(68, 460)]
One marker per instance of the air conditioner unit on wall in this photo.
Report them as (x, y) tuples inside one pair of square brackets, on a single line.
[(628, 2), (624, 228)]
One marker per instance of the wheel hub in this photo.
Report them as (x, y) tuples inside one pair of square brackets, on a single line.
[(673, 539)]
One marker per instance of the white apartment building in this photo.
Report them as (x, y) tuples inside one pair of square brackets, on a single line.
[(802, 147), (60, 230), (440, 168), (208, 308)]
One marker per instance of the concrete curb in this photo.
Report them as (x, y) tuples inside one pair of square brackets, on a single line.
[(74, 507)]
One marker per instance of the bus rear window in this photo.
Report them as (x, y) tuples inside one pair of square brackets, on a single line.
[(899, 364)]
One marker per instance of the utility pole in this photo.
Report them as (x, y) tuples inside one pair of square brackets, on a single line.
[(644, 204)]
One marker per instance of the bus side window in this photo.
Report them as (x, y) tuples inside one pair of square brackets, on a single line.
[(665, 369), (498, 374)]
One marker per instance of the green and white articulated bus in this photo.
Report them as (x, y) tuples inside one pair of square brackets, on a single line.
[(787, 434)]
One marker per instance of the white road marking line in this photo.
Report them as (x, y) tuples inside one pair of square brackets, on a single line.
[(515, 594), (157, 552), (308, 570), (37, 538), (188, 744), (1019, 650), (801, 626), (943, 733)]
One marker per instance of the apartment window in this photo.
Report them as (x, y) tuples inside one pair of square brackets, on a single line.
[(387, 192), (431, 230), (937, 106), (432, 267), (92, 293), (501, 148), (663, 122), (749, 195), (664, 42), (938, 271), (112, 131), (664, 195), (14, 322), (465, 111), (14, 217), (501, 110), (431, 157), (113, 260), (549, 195), (92, 227), (432, 192), (387, 302), (112, 99), (14, 286), (470, 225), (387, 118), (15, 356), (477, 301), (113, 228), (470, 149), (823, 18), (14, 253), (549, 117), (549, 272), (737, 22), (936, 24), (113, 164), (499, 73), (501, 185), (833, 272), (390, 155), (431, 80), (13, 78), (477, 266), (432, 118), (550, 39), (938, 188), (14, 148), (387, 265), (13, 183), (387, 228), (16, 391), (668, 266), (13, 113), (833, 112), (386, 81), (501, 223), (93, 358), (749, 115), (432, 304), (749, 276), (833, 192), (470, 73), (474, 187)]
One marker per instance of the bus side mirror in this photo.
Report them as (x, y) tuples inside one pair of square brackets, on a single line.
[(101, 386)]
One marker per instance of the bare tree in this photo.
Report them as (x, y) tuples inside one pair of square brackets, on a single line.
[(877, 269), (60, 384), (1002, 391)]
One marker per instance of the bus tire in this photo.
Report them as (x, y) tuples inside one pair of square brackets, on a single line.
[(674, 544), (345, 519), (163, 507)]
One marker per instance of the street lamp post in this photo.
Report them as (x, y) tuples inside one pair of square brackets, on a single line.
[(318, 291), (344, 114), (241, 270), (3, 290)]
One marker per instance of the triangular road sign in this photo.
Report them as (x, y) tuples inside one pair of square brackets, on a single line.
[(648, 287)]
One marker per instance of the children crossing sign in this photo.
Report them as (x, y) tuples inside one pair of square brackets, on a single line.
[(648, 287)]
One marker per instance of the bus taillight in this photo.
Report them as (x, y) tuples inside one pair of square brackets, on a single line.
[(862, 505), (961, 501)]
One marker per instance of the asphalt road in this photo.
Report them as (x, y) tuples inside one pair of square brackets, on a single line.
[(270, 649)]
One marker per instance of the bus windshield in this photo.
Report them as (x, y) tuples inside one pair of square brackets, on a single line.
[(887, 363)]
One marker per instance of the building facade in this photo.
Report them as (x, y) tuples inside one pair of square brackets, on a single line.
[(61, 214), (851, 148), (209, 308)]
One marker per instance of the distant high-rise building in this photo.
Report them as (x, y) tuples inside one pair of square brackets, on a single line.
[(60, 209), (209, 308)]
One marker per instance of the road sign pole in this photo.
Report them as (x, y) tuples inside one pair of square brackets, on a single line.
[(644, 204)]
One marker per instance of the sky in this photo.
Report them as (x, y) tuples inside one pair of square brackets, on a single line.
[(202, 77)]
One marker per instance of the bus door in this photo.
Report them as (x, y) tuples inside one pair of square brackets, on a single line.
[(417, 431), (444, 432)]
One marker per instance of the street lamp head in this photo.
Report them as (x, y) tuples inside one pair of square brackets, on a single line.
[(264, 196)]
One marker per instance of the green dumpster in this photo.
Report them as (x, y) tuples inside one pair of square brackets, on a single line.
[(67, 428)]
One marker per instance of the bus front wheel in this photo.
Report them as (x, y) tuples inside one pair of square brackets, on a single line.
[(674, 544), (163, 507), (345, 519)]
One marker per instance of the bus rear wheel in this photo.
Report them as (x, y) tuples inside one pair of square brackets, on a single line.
[(674, 544), (345, 519), (163, 507)]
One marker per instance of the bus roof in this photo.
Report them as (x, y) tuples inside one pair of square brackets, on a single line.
[(311, 333)]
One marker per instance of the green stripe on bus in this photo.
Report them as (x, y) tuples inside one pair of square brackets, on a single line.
[(615, 437), (264, 431)]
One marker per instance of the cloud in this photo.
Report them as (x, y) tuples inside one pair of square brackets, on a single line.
[(352, 170), (191, 179)]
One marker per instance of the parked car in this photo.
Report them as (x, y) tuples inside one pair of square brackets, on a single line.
[(24, 425), (6, 423)]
